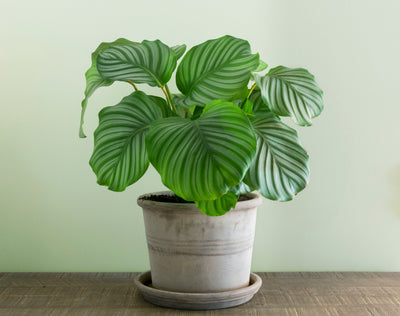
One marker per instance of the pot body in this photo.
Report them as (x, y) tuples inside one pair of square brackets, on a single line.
[(192, 252)]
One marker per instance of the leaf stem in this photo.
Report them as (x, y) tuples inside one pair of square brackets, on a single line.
[(169, 98), (251, 90), (134, 86), (248, 95), (166, 96)]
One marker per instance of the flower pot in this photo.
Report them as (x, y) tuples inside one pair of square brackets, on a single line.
[(191, 252)]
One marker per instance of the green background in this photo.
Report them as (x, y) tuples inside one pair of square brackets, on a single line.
[(53, 215)]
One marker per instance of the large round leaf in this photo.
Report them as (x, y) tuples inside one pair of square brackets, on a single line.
[(215, 69), (280, 167), (93, 78), (219, 206), (201, 159), (120, 157), (150, 62), (291, 92)]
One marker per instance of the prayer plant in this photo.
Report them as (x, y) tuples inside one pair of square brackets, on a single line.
[(222, 136)]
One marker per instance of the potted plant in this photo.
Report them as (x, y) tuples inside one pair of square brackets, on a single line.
[(213, 144)]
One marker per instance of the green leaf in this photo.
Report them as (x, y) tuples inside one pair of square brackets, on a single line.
[(291, 92), (198, 110), (219, 206), (119, 157), (248, 108), (241, 96), (202, 159), (261, 66), (150, 62), (93, 81), (215, 69), (180, 107), (179, 50), (93, 78), (241, 188), (280, 167), (258, 102), (162, 104)]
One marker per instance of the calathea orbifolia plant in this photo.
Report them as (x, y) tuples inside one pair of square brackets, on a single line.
[(222, 136)]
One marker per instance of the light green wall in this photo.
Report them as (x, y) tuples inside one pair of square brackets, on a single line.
[(53, 215)]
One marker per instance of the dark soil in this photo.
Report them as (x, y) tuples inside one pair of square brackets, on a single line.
[(176, 199), (166, 198), (244, 197)]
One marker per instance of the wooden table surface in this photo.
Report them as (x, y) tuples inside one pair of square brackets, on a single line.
[(297, 293)]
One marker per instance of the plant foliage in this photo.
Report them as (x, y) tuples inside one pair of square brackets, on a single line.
[(221, 137)]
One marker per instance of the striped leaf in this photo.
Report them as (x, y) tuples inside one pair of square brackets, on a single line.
[(258, 102), (280, 167), (291, 92), (119, 157), (94, 80), (162, 104), (215, 69), (219, 206), (241, 188), (201, 159), (150, 62), (262, 65), (179, 50)]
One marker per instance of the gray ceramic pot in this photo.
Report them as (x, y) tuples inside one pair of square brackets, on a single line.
[(192, 252)]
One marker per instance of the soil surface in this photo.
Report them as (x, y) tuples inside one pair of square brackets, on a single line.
[(166, 198), (176, 199)]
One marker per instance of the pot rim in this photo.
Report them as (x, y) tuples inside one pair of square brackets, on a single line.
[(145, 201)]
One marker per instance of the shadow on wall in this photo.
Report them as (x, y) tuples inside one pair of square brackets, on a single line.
[(394, 197)]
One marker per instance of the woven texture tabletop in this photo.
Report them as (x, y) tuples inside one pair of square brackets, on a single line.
[(297, 293)]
